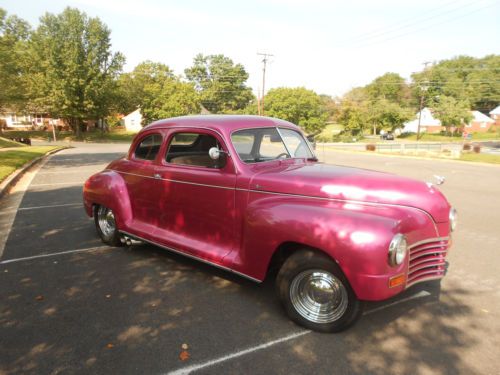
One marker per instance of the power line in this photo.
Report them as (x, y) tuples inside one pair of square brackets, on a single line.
[(415, 21), (426, 27)]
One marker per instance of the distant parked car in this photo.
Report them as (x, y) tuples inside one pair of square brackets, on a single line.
[(247, 194), (387, 136)]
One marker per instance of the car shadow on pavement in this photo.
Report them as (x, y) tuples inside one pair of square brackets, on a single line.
[(128, 310)]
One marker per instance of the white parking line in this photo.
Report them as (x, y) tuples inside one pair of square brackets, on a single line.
[(189, 369), (55, 254), (50, 206), (59, 183)]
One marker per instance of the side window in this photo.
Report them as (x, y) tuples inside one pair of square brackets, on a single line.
[(149, 147), (192, 149)]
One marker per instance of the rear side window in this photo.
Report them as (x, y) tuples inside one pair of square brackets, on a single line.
[(149, 147)]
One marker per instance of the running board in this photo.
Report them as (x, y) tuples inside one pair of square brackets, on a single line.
[(129, 237)]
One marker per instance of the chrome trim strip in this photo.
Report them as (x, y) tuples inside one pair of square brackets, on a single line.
[(422, 266), (373, 204), (436, 239), (425, 253), (190, 256), (437, 247)]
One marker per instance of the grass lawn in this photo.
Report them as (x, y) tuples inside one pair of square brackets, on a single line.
[(14, 158), (485, 158), (115, 135), (4, 143), (329, 131)]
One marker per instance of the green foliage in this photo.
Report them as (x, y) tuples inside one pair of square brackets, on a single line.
[(135, 88), (297, 105), (220, 83), (353, 116), (72, 72), (14, 34), (464, 78), (391, 87), (452, 112), (170, 99)]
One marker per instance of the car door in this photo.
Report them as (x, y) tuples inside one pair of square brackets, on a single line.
[(138, 173), (196, 209)]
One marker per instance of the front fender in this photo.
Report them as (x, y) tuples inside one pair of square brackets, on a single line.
[(108, 188), (356, 236)]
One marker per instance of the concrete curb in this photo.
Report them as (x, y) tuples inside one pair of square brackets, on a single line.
[(11, 180)]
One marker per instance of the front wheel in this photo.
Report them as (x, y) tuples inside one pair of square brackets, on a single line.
[(316, 294), (105, 224)]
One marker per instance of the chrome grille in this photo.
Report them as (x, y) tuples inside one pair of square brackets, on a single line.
[(427, 260)]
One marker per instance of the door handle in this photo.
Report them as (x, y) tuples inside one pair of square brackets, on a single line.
[(157, 176)]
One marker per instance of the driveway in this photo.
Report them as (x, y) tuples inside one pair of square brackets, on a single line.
[(68, 304)]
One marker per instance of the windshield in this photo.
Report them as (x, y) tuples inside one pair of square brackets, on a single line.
[(264, 144)]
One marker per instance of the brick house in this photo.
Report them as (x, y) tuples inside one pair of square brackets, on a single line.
[(495, 115), (480, 123)]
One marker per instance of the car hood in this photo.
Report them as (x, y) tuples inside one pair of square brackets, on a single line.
[(350, 184)]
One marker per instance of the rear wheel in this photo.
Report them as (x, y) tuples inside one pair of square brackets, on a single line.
[(316, 294), (105, 224)]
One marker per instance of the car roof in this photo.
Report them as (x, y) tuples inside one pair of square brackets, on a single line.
[(225, 123)]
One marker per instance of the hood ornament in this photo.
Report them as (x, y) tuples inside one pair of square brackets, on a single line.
[(439, 179)]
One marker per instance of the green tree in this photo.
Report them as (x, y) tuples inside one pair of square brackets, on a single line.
[(169, 99), (14, 34), (353, 116), (391, 87), (136, 87), (73, 72), (452, 112), (387, 115), (220, 83), (464, 78), (298, 105)]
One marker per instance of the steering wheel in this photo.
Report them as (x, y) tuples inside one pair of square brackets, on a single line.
[(282, 154)]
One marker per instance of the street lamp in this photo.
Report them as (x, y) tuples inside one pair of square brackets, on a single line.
[(423, 87)]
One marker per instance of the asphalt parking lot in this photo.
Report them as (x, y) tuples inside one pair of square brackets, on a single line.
[(68, 304)]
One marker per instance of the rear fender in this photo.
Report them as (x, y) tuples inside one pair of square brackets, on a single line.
[(108, 188)]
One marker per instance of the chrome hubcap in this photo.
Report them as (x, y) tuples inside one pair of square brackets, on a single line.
[(318, 296), (106, 220)]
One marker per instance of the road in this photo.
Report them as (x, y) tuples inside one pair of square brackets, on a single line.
[(68, 304)]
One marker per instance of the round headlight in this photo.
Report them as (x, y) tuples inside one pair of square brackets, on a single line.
[(453, 219), (397, 250)]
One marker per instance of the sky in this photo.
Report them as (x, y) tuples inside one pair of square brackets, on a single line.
[(327, 46)]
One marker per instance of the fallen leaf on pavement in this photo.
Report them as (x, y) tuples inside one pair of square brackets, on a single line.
[(184, 356), (185, 347), (108, 295), (110, 346), (39, 298)]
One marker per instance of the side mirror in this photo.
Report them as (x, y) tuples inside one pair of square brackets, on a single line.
[(214, 153)]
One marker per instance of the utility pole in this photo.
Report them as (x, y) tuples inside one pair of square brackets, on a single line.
[(423, 87), (265, 59)]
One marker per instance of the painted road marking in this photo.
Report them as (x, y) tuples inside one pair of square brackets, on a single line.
[(89, 249), (50, 206), (59, 183), (189, 369), (196, 367)]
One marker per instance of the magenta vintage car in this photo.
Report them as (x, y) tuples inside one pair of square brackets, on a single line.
[(247, 194)]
